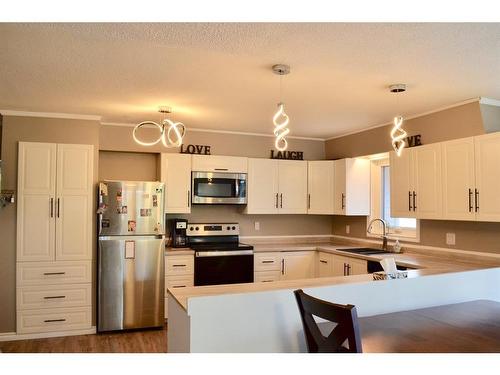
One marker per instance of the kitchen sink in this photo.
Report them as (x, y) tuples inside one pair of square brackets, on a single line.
[(365, 251)]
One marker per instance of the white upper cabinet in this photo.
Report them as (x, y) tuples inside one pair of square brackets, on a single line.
[(292, 187), (263, 188), (216, 163), (54, 218), (351, 187), (276, 186), (73, 208), (36, 201), (416, 188), (458, 179), (176, 175), (487, 173), (320, 180)]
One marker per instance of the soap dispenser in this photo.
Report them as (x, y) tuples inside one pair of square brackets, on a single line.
[(397, 247)]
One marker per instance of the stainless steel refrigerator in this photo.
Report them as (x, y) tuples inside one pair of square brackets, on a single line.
[(130, 255)]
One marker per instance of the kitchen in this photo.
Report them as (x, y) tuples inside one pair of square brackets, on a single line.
[(240, 219)]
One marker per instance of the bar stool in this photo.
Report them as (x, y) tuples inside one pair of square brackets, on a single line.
[(345, 336)]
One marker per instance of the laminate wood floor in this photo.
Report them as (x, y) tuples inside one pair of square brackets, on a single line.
[(142, 341)]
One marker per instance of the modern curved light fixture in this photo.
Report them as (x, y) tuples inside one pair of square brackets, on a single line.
[(280, 118), (171, 133), (398, 134)]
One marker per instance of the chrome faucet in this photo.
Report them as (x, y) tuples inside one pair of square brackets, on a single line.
[(384, 235)]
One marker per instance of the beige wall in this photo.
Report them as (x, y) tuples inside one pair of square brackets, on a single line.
[(29, 129), (458, 122), (131, 166)]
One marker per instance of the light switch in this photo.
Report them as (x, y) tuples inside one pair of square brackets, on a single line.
[(257, 225), (450, 238), (348, 229)]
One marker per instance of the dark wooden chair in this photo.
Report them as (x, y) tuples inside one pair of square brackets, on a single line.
[(346, 330)]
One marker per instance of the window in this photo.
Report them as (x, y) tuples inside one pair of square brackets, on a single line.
[(398, 228)]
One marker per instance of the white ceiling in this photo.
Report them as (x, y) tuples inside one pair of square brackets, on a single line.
[(218, 76)]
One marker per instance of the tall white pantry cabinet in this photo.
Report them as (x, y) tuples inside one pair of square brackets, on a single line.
[(54, 237)]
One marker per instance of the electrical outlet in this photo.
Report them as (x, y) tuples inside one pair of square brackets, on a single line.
[(256, 225), (348, 229), (450, 238)]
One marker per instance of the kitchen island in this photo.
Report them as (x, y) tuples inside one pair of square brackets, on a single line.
[(263, 317)]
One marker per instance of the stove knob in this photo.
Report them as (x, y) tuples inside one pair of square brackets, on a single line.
[(228, 228), (191, 228), (234, 228), (197, 228)]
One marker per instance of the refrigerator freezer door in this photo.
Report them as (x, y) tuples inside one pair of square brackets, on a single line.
[(130, 208), (130, 282)]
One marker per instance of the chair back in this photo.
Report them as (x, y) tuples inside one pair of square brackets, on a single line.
[(344, 338)]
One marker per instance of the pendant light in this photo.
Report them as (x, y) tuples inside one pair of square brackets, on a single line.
[(398, 134), (280, 118), (171, 133)]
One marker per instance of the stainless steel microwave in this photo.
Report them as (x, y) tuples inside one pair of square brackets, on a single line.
[(218, 188)]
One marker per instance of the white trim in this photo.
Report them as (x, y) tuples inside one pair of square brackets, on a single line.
[(425, 247), (72, 116), (12, 336), (411, 117), (291, 237), (221, 131), (489, 101)]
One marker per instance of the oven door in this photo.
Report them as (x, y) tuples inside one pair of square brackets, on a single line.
[(223, 267), (219, 188)]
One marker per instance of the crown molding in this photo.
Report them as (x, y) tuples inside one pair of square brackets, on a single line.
[(221, 132), (72, 116), (468, 101)]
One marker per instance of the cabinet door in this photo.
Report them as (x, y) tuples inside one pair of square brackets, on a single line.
[(176, 175), (339, 186), (74, 211), (487, 160), (427, 181), (217, 163), (401, 173), (458, 179), (325, 265), (357, 266), (36, 200), (339, 265), (262, 192), (320, 187), (292, 187), (298, 265), (357, 190)]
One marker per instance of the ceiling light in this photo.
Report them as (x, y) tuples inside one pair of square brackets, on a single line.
[(398, 135), (171, 133), (280, 118)]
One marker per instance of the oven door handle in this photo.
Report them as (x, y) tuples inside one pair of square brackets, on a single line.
[(201, 254)]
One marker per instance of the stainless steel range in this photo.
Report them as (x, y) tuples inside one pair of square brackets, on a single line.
[(219, 256)]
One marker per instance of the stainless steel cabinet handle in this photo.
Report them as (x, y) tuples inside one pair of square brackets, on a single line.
[(409, 201), (178, 286), (470, 200), (343, 200), (189, 198), (476, 196), (179, 265), (282, 266), (54, 297), (220, 169), (414, 197), (276, 200), (323, 261), (54, 273), (267, 281), (281, 200), (344, 269), (54, 320), (268, 261), (51, 207), (58, 206), (309, 201)]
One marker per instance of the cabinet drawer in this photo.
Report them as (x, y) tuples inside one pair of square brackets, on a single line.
[(179, 265), (215, 163), (267, 261), (50, 320), (266, 276), (47, 273), (51, 296), (174, 282)]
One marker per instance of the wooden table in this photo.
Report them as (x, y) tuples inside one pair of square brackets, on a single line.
[(469, 327)]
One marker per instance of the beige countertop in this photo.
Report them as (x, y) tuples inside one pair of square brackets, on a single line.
[(426, 264)]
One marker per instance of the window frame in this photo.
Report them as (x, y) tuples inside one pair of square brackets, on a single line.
[(376, 193)]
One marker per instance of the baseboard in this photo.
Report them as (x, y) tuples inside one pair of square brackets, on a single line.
[(412, 246), (12, 336)]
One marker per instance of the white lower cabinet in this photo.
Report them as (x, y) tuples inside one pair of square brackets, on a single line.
[(284, 265), (325, 265), (347, 266), (51, 320), (179, 273)]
